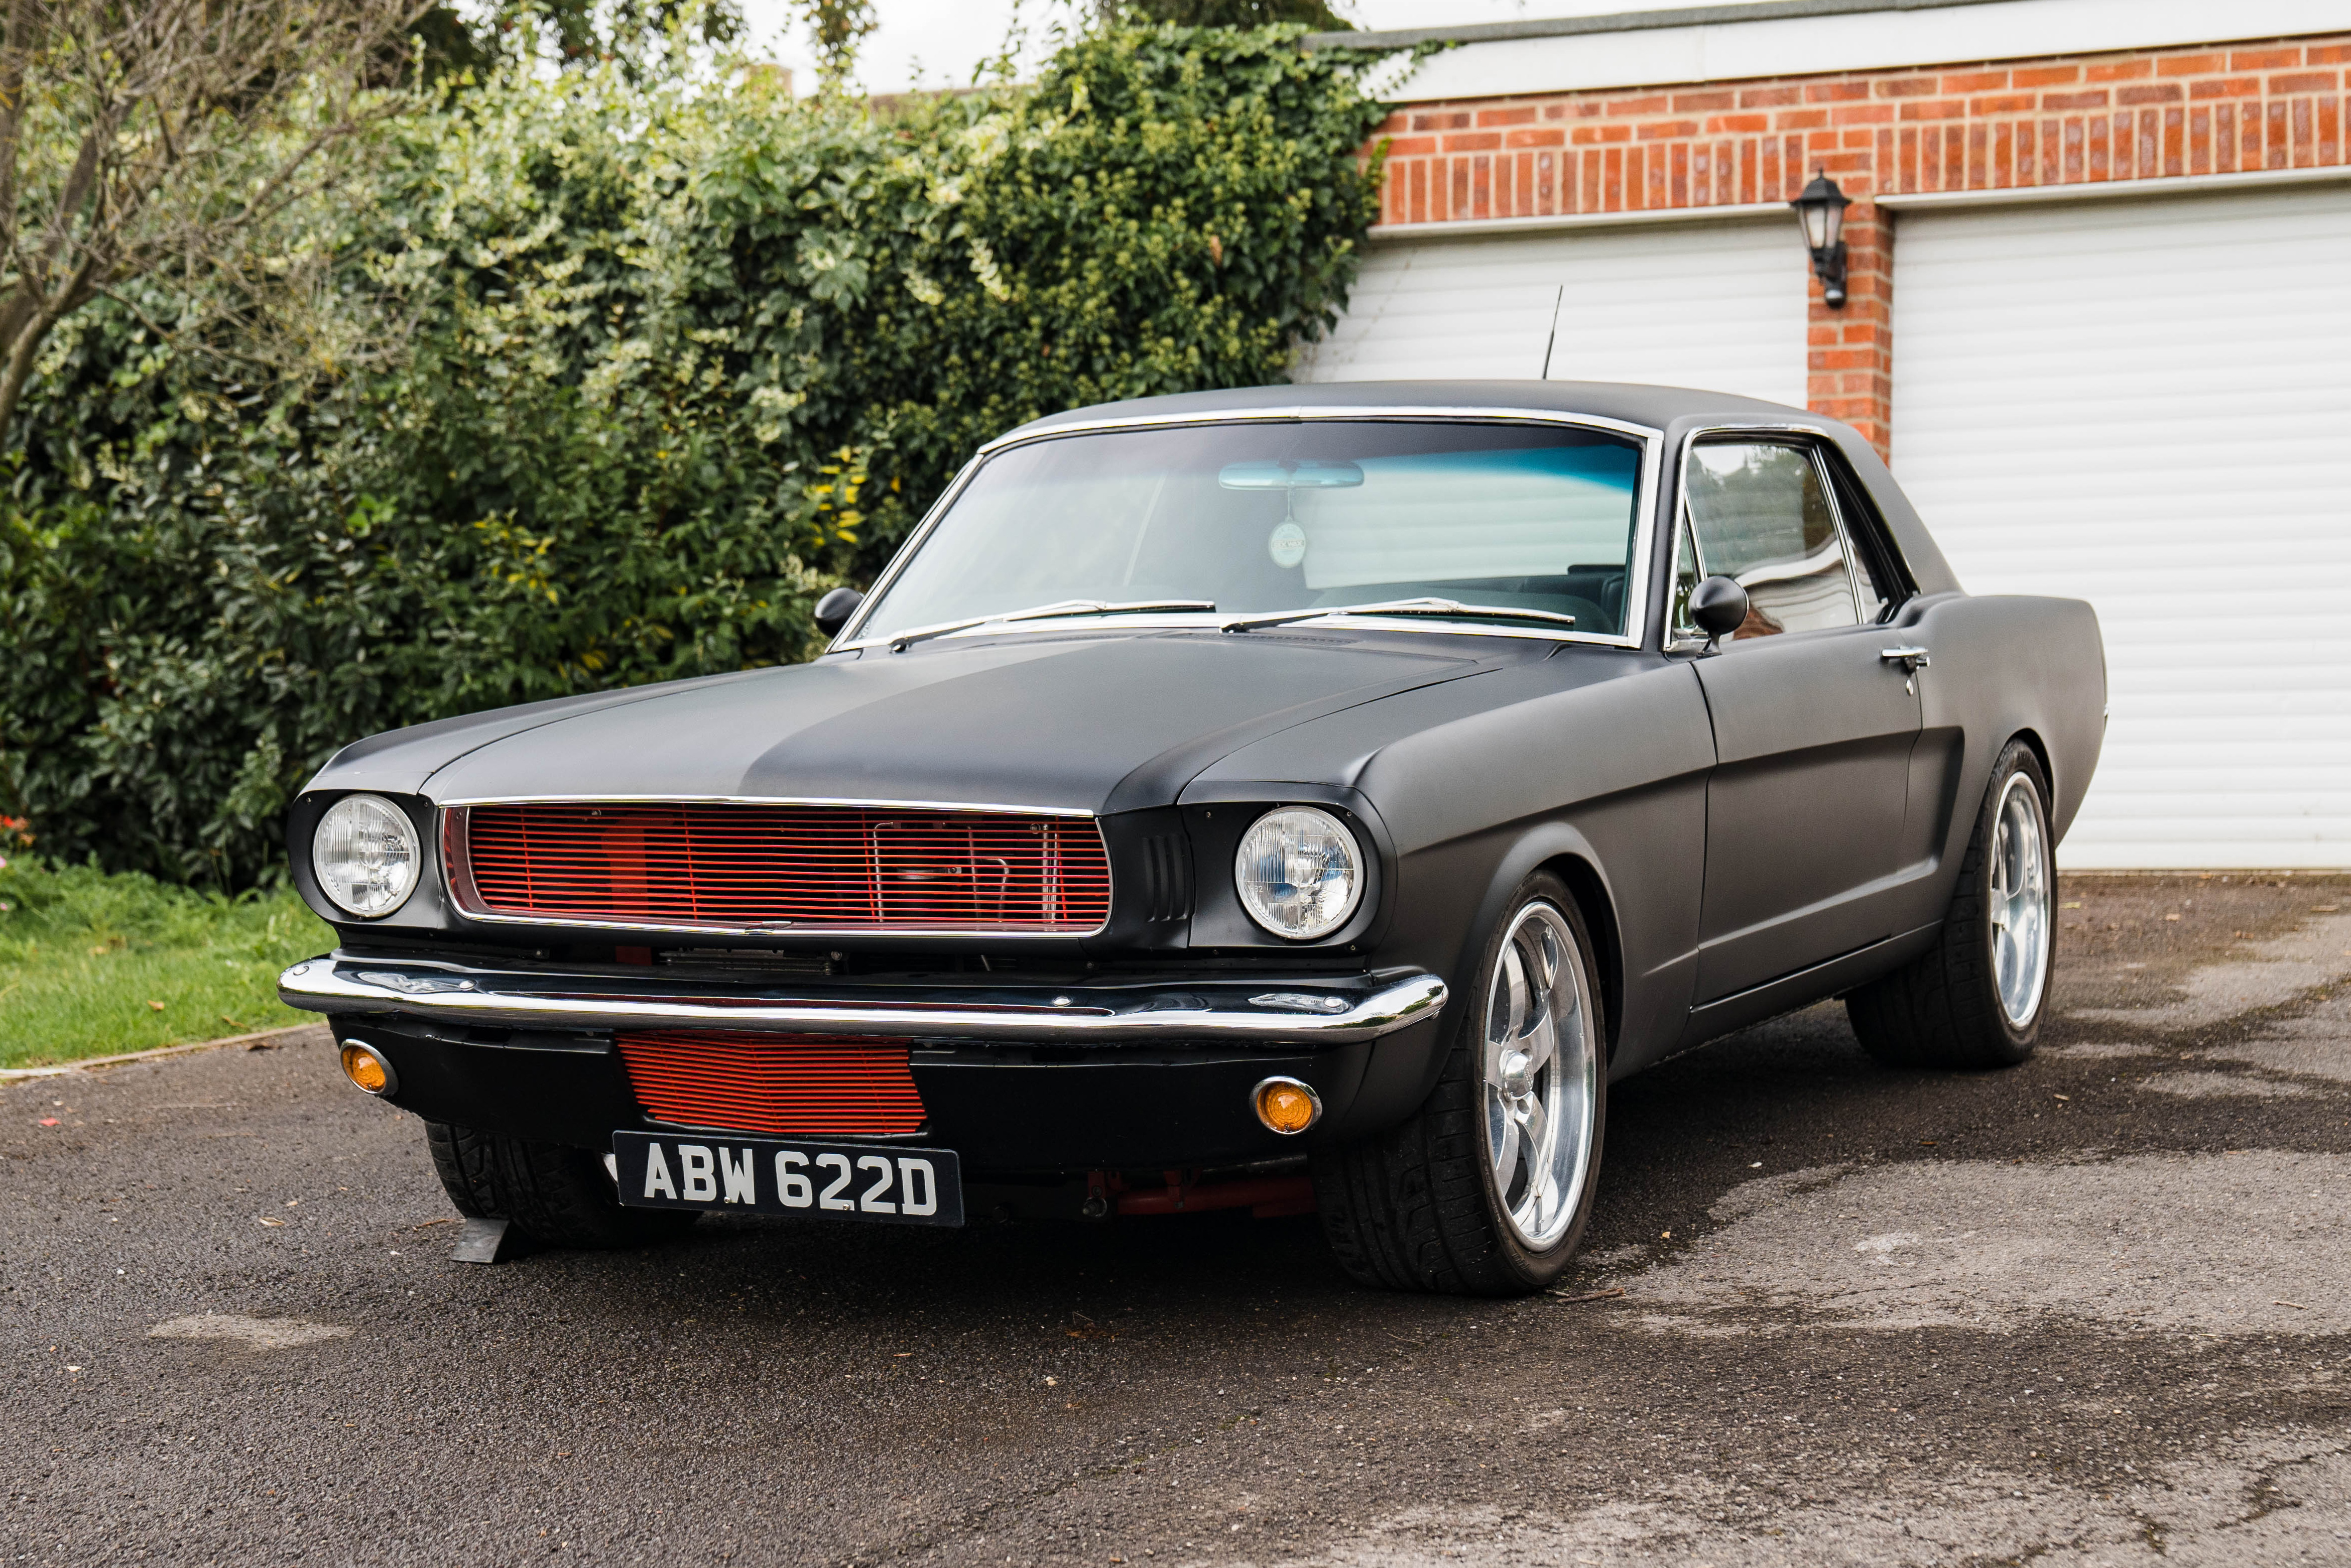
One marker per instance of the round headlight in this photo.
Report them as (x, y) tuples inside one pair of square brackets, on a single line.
[(1299, 873), (366, 855)]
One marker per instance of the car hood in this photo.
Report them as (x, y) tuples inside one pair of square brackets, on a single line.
[(1084, 723)]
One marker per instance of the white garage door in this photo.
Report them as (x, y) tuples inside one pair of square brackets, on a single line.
[(2146, 404), (1719, 306)]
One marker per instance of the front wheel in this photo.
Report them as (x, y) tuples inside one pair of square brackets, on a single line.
[(555, 1195), (1977, 997), (1485, 1190)]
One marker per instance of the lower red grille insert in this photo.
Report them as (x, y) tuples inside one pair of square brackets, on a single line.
[(812, 1085)]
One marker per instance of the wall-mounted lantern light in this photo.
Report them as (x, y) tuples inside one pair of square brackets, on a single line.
[(1821, 210)]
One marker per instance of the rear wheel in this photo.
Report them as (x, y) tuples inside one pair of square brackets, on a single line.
[(1486, 1189), (1975, 1000), (554, 1194)]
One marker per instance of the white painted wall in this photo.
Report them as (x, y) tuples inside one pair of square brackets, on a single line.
[(1890, 39)]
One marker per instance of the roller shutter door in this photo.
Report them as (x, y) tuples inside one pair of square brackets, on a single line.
[(1719, 306), (2146, 404)]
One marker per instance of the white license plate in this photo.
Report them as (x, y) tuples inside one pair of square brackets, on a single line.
[(889, 1183)]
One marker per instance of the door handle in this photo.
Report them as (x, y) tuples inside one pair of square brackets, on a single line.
[(1912, 659)]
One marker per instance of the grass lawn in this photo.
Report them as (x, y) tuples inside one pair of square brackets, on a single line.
[(91, 964)]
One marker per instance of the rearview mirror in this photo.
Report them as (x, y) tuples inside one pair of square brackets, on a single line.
[(1290, 474), (1719, 605), (834, 610)]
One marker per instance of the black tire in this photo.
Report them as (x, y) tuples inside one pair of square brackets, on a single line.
[(555, 1195), (1944, 1009), (1415, 1207)]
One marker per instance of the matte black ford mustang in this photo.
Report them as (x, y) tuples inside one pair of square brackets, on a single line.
[(1351, 779)]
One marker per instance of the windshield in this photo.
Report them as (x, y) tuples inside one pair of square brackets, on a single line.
[(1265, 516)]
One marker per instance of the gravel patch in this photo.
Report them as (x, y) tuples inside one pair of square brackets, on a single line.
[(2188, 1243), (2278, 1498), (2254, 975), (2225, 1086), (253, 1334)]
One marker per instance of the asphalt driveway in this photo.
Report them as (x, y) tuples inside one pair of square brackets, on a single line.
[(2096, 1309)]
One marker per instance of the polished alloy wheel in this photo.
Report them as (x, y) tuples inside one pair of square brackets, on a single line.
[(1541, 1069), (2019, 900)]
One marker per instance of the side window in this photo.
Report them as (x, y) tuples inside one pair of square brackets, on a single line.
[(1758, 512), (1877, 566)]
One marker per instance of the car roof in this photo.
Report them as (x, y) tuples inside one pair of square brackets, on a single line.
[(1657, 408), (1675, 411)]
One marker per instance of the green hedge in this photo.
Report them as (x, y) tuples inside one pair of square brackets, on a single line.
[(601, 383)]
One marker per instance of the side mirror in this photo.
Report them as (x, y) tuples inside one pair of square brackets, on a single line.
[(1719, 605), (834, 610)]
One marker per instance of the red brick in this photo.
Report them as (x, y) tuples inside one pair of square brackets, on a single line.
[(2122, 116)]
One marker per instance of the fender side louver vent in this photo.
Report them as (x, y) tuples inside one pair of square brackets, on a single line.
[(1167, 873)]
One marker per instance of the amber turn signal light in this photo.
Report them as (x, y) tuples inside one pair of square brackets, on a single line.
[(368, 1070), (1286, 1106)]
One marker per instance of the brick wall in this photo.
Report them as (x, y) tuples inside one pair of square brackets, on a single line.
[(2064, 120)]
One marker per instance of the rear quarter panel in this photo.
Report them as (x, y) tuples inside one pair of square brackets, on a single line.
[(2004, 664)]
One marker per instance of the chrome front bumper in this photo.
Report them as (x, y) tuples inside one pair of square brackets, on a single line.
[(1296, 1010)]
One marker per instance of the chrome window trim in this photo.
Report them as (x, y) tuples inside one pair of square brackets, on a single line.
[(456, 871), (1674, 639), (1638, 574)]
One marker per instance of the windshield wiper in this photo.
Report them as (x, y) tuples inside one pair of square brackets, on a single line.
[(905, 640), (1440, 607)]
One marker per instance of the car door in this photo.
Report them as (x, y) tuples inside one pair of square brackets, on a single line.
[(1814, 724)]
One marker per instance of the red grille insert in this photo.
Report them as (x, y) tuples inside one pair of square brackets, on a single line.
[(809, 1084), (822, 867)]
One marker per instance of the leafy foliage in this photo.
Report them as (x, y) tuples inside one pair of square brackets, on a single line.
[(1237, 13), (600, 383)]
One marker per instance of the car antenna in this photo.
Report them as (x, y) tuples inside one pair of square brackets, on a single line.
[(1549, 343)]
